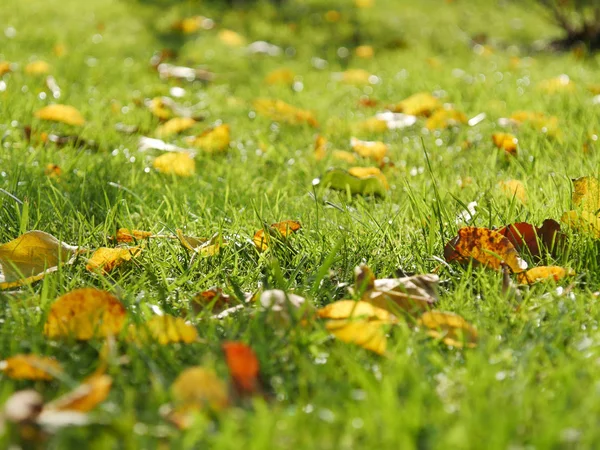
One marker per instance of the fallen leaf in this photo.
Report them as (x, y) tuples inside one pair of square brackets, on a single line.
[(375, 150), (342, 155), (485, 246), (351, 309), (451, 328), (582, 221), (165, 108), (282, 75), (320, 147), (84, 397), (368, 335), (146, 143), (364, 51), (30, 367), (53, 171), (371, 125), (445, 118), (37, 68), (164, 329), (231, 38), (544, 273), (105, 259), (85, 314), (22, 407), (358, 180), (190, 25), (213, 298), (177, 163), (31, 256), (278, 110), (127, 235), (356, 76), (204, 247), (514, 189), (60, 113), (506, 142), (526, 236), (279, 229), (175, 126), (212, 140), (540, 121), (198, 388), (5, 67), (420, 104), (586, 194), (243, 367), (562, 83), (396, 121)]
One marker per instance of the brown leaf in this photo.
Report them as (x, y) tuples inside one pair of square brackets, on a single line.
[(526, 236)]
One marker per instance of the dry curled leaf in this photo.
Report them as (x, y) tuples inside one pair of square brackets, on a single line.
[(506, 142), (213, 298), (84, 397), (30, 367), (175, 126), (244, 368), (60, 113), (484, 246), (420, 104), (177, 163), (204, 247), (84, 314), (280, 229), (212, 140), (350, 309), (451, 328), (164, 329), (280, 111), (105, 259), (31, 256), (544, 273)]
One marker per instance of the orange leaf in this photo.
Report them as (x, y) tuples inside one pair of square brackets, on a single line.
[(243, 367), (85, 397), (84, 314), (127, 235), (215, 297), (506, 142), (284, 229), (485, 246), (30, 367)]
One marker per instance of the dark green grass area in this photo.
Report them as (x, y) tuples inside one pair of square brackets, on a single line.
[(532, 382)]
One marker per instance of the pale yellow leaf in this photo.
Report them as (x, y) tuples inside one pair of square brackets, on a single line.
[(60, 113), (176, 163)]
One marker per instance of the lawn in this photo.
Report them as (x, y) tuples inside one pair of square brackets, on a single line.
[(531, 379)]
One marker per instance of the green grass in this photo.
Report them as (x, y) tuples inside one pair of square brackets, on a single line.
[(532, 382)]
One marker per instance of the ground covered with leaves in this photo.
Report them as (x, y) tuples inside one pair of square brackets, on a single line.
[(331, 224)]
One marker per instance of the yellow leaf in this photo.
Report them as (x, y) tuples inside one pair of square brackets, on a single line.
[(278, 110), (199, 388), (37, 68), (364, 3), (164, 329), (30, 256), (514, 188), (561, 83), (159, 108), (445, 118), (84, 314), (506, 142), (231, 38), (375, 150), (344, 156), (582, 221), (544, 273), (350, 309), (358, 180), (586, 194), (541, 122), (127, 235), (60, 113), (204, 247), (371, 125), (364, 51), (420, 104), (5, 67), (282, 75), (84, 397), (106, 259), (30, 367), (284, 229), (451, 328), (176, 163), (356, 77), (368, 335), (320, 147), (175, 126), (213, 140), (367, 172)]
